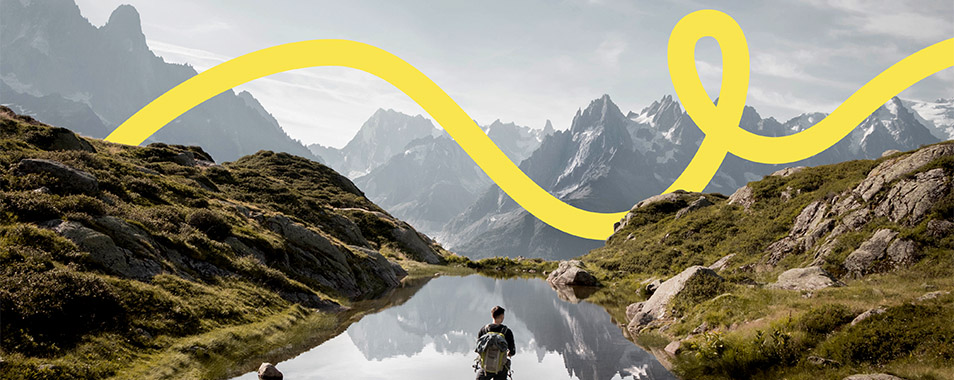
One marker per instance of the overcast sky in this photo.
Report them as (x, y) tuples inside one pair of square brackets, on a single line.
[(529, 61)]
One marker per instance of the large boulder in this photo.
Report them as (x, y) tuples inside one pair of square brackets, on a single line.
[(880, 253), (810, 278), (63, 139), (104, 251), (267, 371), (658, 305), (571, 272), (68, 179)]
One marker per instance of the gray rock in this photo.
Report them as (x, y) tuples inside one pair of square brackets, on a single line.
[(668, 197), (673, 348), (810, 278), (695, 205), (862, 260), (305, 238), (68, 179), (657, 306), (267, 371), (787, 171), (720, 264), (933, 295), (743, 197), (909, 200), (939, 228), (811, 224), (64, 139), (894, 168), (571, 272), (822, 362), (902, 252), (104, 251), (419, 249), (652, 286), (873, 376), (867, 314), (890, 152)]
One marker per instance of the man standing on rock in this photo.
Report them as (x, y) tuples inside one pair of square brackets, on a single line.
[(495, 346)]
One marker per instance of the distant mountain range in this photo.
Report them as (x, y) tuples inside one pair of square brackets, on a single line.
[(607, 162), (61, 69), (416, 171)]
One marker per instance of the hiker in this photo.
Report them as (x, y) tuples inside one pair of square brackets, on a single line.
[(494, 347)]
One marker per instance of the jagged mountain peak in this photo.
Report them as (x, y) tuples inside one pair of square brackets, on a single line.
[(125, 22), (600, 112)]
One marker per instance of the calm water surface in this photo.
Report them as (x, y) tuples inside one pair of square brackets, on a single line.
[(433, 334)]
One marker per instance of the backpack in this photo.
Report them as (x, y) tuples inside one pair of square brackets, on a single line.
[(492, 351)]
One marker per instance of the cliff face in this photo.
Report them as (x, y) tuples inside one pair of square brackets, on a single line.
[(100, 239)]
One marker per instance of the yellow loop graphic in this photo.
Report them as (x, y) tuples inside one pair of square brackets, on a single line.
[(720, 123)]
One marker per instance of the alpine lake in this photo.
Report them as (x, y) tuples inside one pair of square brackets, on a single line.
[(429, 330)]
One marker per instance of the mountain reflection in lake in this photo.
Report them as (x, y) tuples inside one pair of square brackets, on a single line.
[(432, 336)]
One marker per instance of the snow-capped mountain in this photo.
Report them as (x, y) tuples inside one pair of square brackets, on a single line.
[(382, 136), (61, 69), (432, 180), (937, 116), (607, 162)]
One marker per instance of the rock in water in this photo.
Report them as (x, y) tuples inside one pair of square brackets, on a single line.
[(267, 371), (811, 278), (571, 273), (68, 179)]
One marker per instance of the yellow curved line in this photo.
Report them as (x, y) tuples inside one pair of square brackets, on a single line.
[(720, 123), (436, 102)]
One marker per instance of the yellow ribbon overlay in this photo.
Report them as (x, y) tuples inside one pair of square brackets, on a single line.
[(719, 123)]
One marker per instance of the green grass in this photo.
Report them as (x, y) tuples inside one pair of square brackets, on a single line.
[(230, 291)]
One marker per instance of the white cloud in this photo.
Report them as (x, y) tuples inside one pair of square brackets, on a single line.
[(610, 50)]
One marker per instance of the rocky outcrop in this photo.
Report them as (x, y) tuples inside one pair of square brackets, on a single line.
[(895, 168), (804, 279), (810, 226), (658, 306), (787, 171), (933, 295), (573, 273), (894, 190), (909, 200), (880, 253), (67, 179), (104, 251), (743, 197), (699, 203), (412, 241)]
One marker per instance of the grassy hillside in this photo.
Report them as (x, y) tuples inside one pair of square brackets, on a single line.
[(826, 216), (155, 262)]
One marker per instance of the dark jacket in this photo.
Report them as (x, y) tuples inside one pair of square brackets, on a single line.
[(499, 328)]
